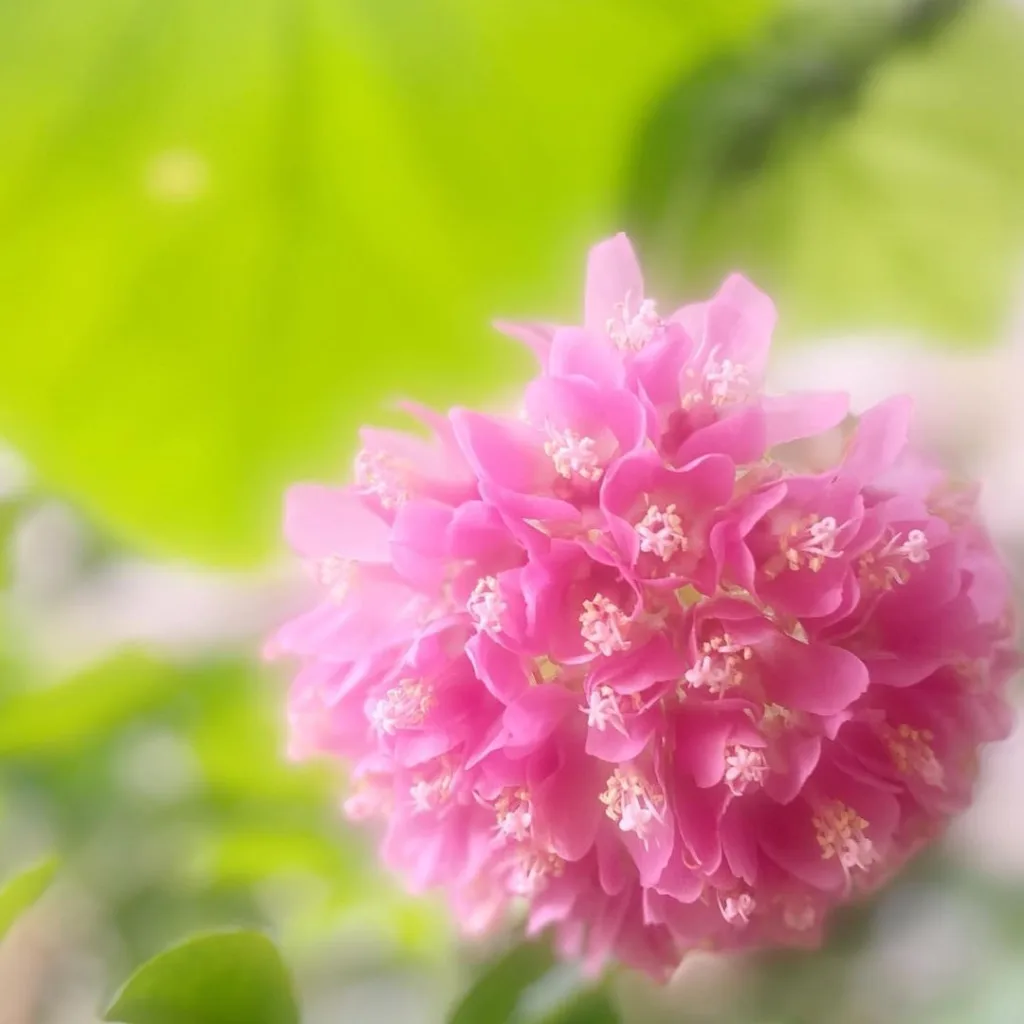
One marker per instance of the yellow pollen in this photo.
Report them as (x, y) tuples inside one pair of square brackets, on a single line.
[(545, 670)]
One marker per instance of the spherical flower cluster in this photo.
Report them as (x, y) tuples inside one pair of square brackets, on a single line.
[(628, 662)]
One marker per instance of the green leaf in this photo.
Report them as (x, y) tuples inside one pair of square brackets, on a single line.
[(868, 173), (219, 978), (62, 719), (495, 994), (233, 231), (23, 890), (593, 1006)]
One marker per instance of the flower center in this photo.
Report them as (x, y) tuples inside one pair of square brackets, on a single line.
[(573, 455), (841, 834), (630, 332), (370, 798), (911, 752), (485, 605), (632, 803), (382, 475), (531, 870), (799, 915), (603, 625), (890, 565), (811, 542), (661, 533), (335, 574), (603, 710), (429, 794), (728, 381), (737, 909), (719, 666), (744, 767), (515, 816), (402, 707)]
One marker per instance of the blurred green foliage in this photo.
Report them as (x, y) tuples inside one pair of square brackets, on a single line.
[(498, 988), (221, 978), (868, 171), (232, 231), (21, 891)]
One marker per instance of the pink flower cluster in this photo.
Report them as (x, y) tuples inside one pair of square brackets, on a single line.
[(626, 661)]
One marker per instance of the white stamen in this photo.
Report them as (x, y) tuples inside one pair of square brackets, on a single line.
[(718, 667), (603, 709), (629, 332), (916, 547), (516, 824), (822, 541), (603, 625), (334, 573), (486, 606), (368, 799), (744, 767), (841, 834), (728, 380), (632, 803), (636, 818), (737, 910), (661, 533), (573, 455), (428, 796), (402, 707), (514, 813), (380, 474), (888, 566), (799, 915), (810, 542), (422, 793), (912, 753), (531, 870)]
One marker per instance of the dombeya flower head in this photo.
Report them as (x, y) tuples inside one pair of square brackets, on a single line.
[(623, 663)]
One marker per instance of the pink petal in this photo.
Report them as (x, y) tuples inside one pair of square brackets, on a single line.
[(613, 273), (503, 452), (740, 321), (535, 336), (803, 414), (651, 857), (788, 837), (880, 438), (701, 736), (794, 759), (813, 677), (611, 745), (537, 713), (567, 805), (499, 669), (419, 549), (615, 868), (698, 813), (574, 352), (741, 436), (739, 844), (638, 669), (321, 521)]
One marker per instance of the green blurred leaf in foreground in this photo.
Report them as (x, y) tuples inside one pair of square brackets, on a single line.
[(219, 978), (593, 1006), (61, 719), (497, 991), (869, 172), (233, 230), (18, 894)]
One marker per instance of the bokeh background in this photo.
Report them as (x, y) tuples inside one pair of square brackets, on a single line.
[(231, 232)]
